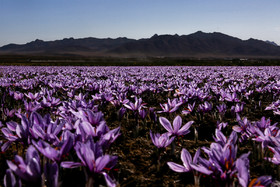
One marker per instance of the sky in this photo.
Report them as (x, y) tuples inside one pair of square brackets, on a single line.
[(22, 21)]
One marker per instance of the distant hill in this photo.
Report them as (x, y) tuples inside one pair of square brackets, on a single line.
[(271, 42), (196, 45)]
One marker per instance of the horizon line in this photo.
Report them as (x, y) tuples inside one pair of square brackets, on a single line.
[(77, 38)]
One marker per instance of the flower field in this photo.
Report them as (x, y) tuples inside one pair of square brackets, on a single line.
[(139, 126)]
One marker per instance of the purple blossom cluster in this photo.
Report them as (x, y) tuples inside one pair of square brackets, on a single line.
[(54, 119)]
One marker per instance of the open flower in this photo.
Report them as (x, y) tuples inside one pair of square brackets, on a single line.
[(189, 163), (242, 127), (57, 153), (28, 169), (222, 108), (32, 96), (91, 156), (176, 129), (189, 109), (170, 106), (221, 139), (205, 107), (17, 132), (135, 106), (231, 97), (161, 140)]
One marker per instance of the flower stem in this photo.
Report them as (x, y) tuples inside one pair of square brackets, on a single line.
[(195, 135), (90, 181), (173, 148), (196, 177)]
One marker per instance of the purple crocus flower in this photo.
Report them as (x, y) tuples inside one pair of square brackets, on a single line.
[(17, 132), (221, 125), (107, 97), (205, 107), (57, 153), (242, 167), (85, 129), (116, 103), (50, 101), (186, 159), (273, 106), (107, 139), (222, 108), (161, 140), (18, 95), (8, 131), (54, 101), (31, 107), (135, 106), (32, 96), (91, 156), (189, 109), (189, 164), (267, 137), (221, 139), (80, 97), (264, 124), (90, 117), (222, 159), (153, 114), (143, 113), (10, 180), (176, 129), (276, 157), (45, 103), (170, 106), (28, 169), (242, 128), (9, 113), (121, 112), (243, 174), (238, 108), (231, 97), (276, 112), (122, 98), (45, 129)]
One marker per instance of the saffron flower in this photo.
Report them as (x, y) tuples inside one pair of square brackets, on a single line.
[(189, 164), (161, 140), (135, 106), (91, 156), (28, 169), (176, 128), (170, 106)]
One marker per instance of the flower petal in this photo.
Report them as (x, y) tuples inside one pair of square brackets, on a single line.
[(69, 164), (177, 122), (201, 169), (236, 128), (186, 158), (109, 180), (166, 124), (185, 129), (177, 167)]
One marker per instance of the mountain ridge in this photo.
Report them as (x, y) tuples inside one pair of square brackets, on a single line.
[(195, 45)]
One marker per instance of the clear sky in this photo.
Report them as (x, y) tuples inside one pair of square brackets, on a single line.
[(22, 21)]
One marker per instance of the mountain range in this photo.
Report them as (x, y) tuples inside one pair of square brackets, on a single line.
[(196, 45)]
